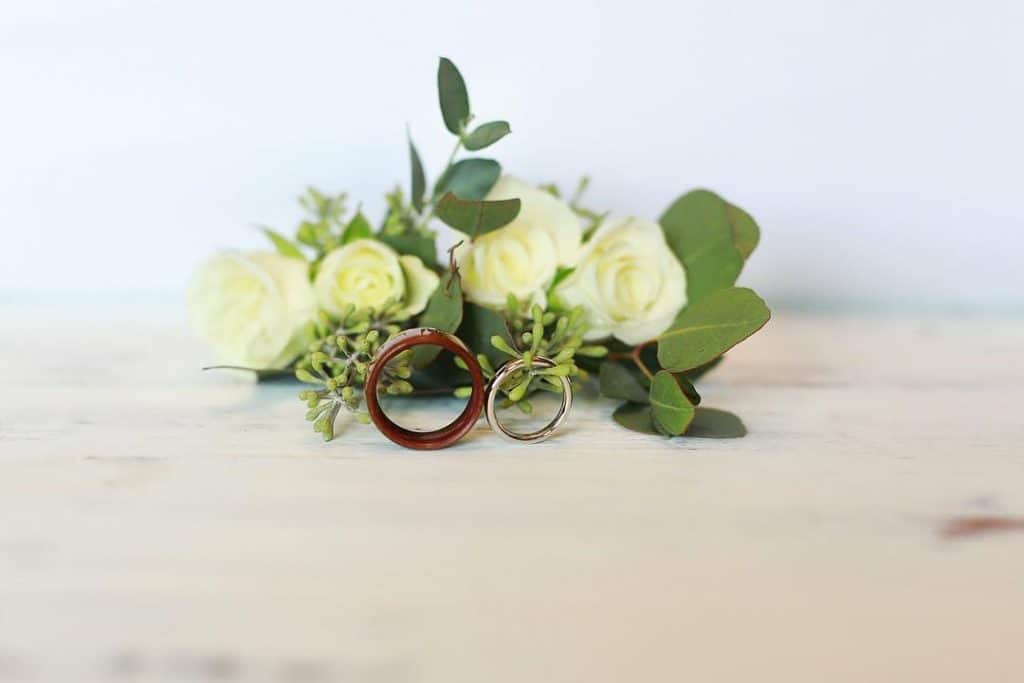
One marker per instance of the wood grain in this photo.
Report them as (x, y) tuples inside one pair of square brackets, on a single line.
[(160, 523)]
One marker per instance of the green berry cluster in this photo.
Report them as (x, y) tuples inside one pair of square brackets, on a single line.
[(339, 362), (554, 335)]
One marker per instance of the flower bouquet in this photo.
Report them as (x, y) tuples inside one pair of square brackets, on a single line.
[(642, 307)]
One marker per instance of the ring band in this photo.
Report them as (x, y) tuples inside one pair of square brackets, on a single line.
[(438, 438), (492, 394)]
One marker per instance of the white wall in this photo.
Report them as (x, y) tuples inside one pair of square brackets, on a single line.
[(878, 143)]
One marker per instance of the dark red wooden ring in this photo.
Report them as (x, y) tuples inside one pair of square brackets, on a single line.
[(438, 438)]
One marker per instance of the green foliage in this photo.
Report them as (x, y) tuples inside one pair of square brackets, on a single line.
[(469, 179), (418, 181), (414, 243), (670, 408), (338, 363), (476, 218), (635, 417), (454, 99), (284, 246), (711, 238), (526, 336), (485, 135), (710, 327), (443, 312), (619, 381), (357, 228)]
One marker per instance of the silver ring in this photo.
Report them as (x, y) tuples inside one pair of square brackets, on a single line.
[(493, 390)]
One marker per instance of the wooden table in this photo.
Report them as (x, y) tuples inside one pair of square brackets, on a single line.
[(160, 523)]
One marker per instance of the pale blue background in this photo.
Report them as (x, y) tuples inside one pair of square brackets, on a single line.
[(878, 143)]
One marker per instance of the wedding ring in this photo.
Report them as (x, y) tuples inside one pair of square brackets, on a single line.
[(493, 389), (438, 438)]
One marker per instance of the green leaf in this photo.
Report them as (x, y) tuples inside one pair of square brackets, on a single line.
[(357, 228), (635, 417), (476, 218), (618, 381), (711, 423), (671, 410), (688, 389), (413, 242), (479, 324), (561, 273), (710, 327), (469, 179), (284, 246), (451, 91), (486, 134), (699, 229), (745, 233), (444, 312), (419, 178), (701, 370)]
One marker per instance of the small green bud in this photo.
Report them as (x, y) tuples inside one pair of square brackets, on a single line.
[(362, 418), (538, 332), (372, 336), (459, 363), (527, 337), (593, 351), (536, 312), (525, 406), (485, 363), (498, 342), (548, 318), (557, 371), (347, 393), (517, 392), (403, 371), (463, 392), (528, 359), (564, 355), (304, 375)]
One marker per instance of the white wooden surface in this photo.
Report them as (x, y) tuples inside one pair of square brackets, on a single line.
[(159, 523)]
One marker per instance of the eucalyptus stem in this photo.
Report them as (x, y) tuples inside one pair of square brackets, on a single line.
[(428, 210)]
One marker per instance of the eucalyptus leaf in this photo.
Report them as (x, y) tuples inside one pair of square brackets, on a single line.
[(618, 381), (479, 324), (745, 233), (710, 327), (414, 243), (451, 91), (670, 408), (444, 312), (469, 179), (476, 218), (635, 417), (418, 183), (688, 389), (485, 135), (357, 228), (284, 246), (711, 423), (699, 228)]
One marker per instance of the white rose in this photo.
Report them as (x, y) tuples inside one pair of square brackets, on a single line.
[(370, 274), (253, 308), (628, 281), (522, 257)]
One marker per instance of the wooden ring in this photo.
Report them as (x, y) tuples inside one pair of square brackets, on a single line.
[(438, 438)]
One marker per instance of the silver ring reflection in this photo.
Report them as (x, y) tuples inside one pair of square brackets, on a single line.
[(493, 390)]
